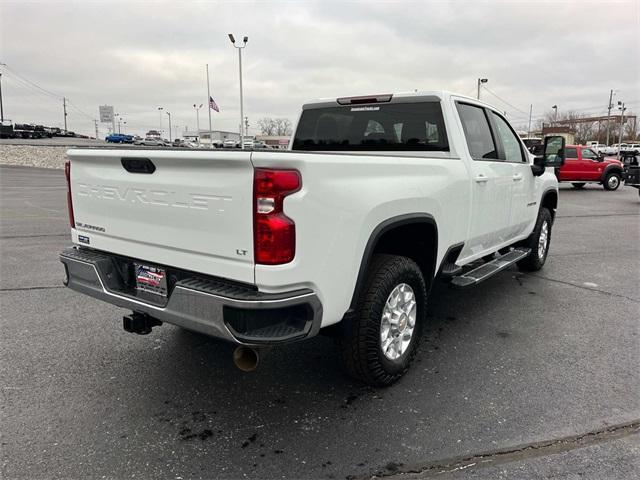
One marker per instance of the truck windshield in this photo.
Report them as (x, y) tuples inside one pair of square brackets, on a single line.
[(391, 126)]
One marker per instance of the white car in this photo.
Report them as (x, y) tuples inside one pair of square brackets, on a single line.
[(615, 148), (345, 233), (230, 143), (151, 142)]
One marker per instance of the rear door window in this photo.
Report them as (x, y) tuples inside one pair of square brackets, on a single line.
[(571, 153), (385, 127), (477, 132)]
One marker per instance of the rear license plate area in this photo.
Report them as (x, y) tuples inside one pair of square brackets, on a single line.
[(151, 280)]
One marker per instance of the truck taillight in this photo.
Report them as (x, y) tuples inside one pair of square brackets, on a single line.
[(67, 174), (274, 234)]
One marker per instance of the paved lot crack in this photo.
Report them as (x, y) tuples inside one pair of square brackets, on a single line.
[(9, 237), (591, 289), (19, 289), (600, 215), (531, 450)]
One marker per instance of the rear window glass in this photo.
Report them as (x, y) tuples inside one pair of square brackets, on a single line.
[(391, 126)]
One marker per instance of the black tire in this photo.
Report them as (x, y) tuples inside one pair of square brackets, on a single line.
[(361, 342), (578, 186), (611, 181), (535, 260)]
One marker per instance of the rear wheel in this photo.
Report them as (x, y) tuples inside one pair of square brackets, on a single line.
[(538, 242), (578, 185), (611, 181), (381, 340)]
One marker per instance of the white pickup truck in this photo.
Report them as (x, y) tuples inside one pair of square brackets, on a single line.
[(343, 234)]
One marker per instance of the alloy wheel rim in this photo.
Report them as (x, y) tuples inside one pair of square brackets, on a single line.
[(398, 321), (613, 181), (543, 240)]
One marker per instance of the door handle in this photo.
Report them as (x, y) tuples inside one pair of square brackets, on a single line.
[(517, 177), (481, 179)]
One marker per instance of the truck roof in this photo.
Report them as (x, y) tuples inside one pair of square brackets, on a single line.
[(395, 97)]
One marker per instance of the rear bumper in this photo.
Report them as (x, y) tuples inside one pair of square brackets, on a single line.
[(208, 305)]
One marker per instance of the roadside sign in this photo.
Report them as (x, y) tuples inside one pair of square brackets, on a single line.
[(106, 113)]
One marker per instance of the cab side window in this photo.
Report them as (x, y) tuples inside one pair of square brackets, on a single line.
[(571, 153), (510, 142), (477, 132)]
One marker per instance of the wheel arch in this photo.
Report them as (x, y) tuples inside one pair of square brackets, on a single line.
[(387, 238), (611, 168), (550, 200)]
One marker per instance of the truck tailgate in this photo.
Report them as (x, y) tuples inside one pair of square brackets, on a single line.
[(193, 212)]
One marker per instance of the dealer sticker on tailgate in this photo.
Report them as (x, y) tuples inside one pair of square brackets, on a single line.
[(151, 279)]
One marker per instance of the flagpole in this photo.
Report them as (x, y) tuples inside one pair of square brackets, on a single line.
[(208, 110)]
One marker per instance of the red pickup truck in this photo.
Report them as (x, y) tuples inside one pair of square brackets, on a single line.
[(583, 165)]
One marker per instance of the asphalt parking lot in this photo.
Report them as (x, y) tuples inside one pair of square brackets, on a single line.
[(524, 376)]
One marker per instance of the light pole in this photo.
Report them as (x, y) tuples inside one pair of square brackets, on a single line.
[(169, 125), (124, 129), (119, 118), (622, 108), (555, 114), (480, 82), (198, 119), (160, 112), (240, 47), (609, 114)]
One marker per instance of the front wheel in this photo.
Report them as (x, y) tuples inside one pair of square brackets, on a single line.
[(611, 181), (379, 343), (538, 242)]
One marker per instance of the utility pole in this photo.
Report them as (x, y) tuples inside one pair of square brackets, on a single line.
[(609, 114), (169, 125), (208, 110), (530, 112), (95, 122), (480, 82), (555, 115), (622, 108), (246, 125), (244, 44), (160, 112), (64, 108)]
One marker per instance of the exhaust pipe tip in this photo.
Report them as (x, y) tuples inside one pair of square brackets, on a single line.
[(246, 358)]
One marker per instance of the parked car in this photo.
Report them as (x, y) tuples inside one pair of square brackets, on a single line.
[(230, 143), (633, 147), (345, 234), (119, 138), (531, 142), (615, 148), (151, 142), (582, 165)]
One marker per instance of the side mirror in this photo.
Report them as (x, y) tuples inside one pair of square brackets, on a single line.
[(553, 155)]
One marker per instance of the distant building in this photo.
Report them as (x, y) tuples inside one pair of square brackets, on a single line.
[(274, 141), (216, 136), (568, 133)]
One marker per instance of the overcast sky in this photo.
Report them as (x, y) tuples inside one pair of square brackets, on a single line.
[(141, 55)]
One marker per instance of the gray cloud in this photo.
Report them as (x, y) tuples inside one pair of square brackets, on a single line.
[(138, 56)]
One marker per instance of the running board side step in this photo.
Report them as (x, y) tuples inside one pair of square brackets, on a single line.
[(489, 269)]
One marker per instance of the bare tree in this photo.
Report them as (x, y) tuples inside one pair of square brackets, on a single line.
[(267, 126), (275, 126)]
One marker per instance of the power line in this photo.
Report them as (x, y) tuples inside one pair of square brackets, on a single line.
[(32, 83), (505, 102)]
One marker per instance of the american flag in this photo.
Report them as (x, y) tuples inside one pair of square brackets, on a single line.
[(213, 105)]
